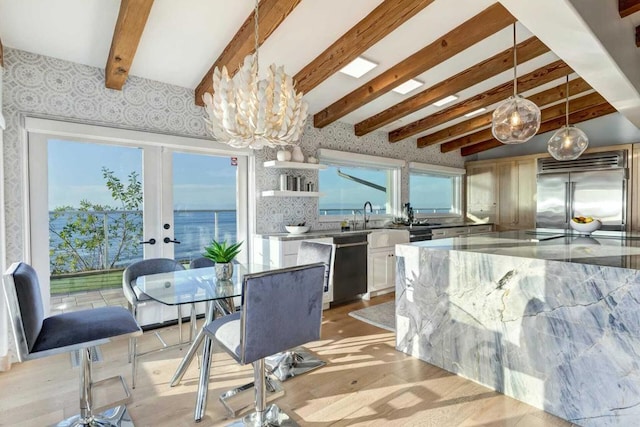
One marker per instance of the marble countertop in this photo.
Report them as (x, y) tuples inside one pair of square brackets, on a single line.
[(605, 248), (317, 234)]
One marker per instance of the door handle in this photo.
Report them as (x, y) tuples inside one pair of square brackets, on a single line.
[(169, 240), (149, 242)]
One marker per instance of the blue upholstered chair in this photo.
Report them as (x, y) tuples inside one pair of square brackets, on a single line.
[(281, 309), (201, 262), (298, 361), (136, 297), (39, 336)]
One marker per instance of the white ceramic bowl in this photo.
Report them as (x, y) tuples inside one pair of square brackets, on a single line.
[(587, 228), (297, 229)]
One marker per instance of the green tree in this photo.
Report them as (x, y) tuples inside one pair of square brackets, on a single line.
[(94, 236)]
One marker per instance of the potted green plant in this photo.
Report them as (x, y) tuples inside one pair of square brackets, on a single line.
[(222, 254)]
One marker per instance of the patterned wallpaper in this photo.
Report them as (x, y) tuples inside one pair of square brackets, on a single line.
[(44, 86)]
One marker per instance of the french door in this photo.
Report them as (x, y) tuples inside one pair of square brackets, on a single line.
[(96, 205)]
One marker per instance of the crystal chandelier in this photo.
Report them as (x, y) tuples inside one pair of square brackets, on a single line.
[(568, 142), (245, 111), (517, 119)]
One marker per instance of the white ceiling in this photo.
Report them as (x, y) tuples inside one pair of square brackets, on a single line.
[(183, 38)]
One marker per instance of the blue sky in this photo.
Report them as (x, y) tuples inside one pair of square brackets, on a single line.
[(200, 182)]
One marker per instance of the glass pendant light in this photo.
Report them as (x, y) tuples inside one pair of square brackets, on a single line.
[(517, 119), (569, 142)]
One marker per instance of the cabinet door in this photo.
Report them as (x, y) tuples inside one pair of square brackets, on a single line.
[(507, 195), (526, 193), (382, 270), (481, 191)]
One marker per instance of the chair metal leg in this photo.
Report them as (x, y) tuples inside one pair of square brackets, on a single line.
[(264, 415), (114, 417), (292, 363)]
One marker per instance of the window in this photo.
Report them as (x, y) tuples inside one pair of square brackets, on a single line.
[(435, 190), (352, 179)]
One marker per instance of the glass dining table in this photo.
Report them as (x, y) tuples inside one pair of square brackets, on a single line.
[(193, 286)]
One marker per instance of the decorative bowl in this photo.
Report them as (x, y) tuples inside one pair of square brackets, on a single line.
[(585, 228), (297, 229)]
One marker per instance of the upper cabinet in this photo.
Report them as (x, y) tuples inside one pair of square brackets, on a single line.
[(502, 192), (481, 191)]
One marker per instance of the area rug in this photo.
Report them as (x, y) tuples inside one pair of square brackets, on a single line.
[(381, 315)]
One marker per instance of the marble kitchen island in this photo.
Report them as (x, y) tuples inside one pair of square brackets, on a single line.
[(551, 320)]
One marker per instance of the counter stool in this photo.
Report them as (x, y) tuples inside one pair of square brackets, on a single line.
[(281, 309), (37, 336), (299, 361)]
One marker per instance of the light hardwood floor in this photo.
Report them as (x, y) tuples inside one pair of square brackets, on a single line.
[(366, 382)]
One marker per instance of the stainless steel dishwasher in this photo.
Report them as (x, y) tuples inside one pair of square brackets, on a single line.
[(350, 267)]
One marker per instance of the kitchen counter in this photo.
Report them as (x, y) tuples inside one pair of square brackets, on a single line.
[(553, 323), (602, 248), (312, 234), (317, 234)]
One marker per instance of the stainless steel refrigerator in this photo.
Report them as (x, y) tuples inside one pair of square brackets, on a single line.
[(594, 185)]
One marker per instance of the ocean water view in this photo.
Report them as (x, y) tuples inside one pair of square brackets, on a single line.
[(194, 229)]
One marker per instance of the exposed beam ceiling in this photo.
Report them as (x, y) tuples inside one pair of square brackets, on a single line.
[(546, 97), (385, 18), (488, 68), (580, 116), (484, 24), (271, 13), (132, 19), (527, 82), (548, 114), (627, 7)]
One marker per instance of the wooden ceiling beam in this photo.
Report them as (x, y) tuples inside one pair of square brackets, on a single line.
[(627, 7), (484, 24), (578, 117), (271, 14), (384, 19), (550, 113), (132, 19), (481, 71), (527, 82), (546, 97)]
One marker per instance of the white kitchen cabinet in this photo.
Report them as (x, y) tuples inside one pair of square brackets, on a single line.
[(381, 260)]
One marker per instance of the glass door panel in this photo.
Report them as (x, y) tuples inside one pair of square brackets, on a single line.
[(85, 215), (204, 190)]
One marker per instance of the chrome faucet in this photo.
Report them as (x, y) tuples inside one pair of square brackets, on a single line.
[(365, 220)]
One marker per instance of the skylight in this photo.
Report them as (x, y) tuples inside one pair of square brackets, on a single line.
[(445, 101), (476, 112), (358, 67), (407, 86)]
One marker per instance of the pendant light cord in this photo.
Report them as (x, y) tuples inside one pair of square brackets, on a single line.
[(567, 105), (515, 63)]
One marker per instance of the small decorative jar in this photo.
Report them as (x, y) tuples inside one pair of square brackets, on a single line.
[(283, 155), (297, 155)]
